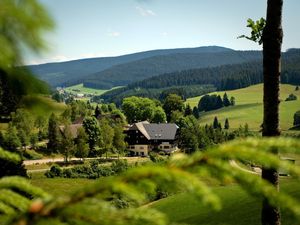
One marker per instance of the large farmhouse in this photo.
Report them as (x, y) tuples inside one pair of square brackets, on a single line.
[(144, 137)]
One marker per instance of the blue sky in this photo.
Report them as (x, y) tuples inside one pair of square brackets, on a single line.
[(98, 28)]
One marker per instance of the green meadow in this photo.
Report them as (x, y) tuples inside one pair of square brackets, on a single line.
[(238, 207), (249, 107), (79, 89)]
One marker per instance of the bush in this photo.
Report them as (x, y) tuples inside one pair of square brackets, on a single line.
[(291, 97), (55, 171), (156, 158), (90, 170), (297, 118), (120, 166)]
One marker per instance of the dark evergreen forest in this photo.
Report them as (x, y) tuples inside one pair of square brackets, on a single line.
[(194, 82)]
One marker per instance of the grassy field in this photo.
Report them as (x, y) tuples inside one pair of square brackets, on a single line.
[(79, 89), (58, 186), (249, 107), (238, 207)]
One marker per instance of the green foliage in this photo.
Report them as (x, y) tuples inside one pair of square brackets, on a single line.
[(138, 109), (91, 170), (226, 101), (22, 24), (159, 115), (297, 118), (291, 97), (106, 136), (11, 164), (92, 130), (11, 139), (188, 110), (53, 134), (186, 91), (182, 171), (82, 148), (55, 171), (226, 125), (173, 103), (66, 145), (119, 144), (216, 123), (196, 112), (257, 28)]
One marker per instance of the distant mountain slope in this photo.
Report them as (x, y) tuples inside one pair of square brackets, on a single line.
[(127, 73), (74, 72), (226, 77)]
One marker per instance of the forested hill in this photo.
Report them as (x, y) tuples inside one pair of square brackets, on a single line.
[(74, 72), (127, 73), (225, 77)]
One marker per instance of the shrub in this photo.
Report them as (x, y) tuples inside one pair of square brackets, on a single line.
[(55, 171), (291, 97), (119, 166)]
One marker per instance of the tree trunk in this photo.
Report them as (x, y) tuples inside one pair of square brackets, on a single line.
[(272, 40)]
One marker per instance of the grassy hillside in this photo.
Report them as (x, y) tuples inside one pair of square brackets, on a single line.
[(249, 107), (238, 207), (79, 88)]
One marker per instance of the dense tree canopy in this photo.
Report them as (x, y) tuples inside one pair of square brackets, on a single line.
[(138, 109)]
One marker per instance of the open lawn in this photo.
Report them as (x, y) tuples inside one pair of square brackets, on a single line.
[(238, 208), (249, 107), (58, 186), (79, 89)]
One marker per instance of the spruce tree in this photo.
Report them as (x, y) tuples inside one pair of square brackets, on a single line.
[(97, 111), (226, 125), (215, 123), (196, 112), (188, 110), (226, 101), (219, 103)]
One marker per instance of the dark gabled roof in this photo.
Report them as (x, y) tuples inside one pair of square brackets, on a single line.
[(161, 131), (156, 131)]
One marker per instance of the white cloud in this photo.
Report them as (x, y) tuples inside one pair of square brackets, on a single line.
[(165, 34), (145, 12), (114, 34)]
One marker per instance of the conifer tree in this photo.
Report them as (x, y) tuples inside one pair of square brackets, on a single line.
[(188, 110), (226, 101), (226, 125), (196, 112), (216, 123), (97, 111)]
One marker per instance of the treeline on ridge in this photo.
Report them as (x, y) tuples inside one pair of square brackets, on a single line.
[(226, 77)]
